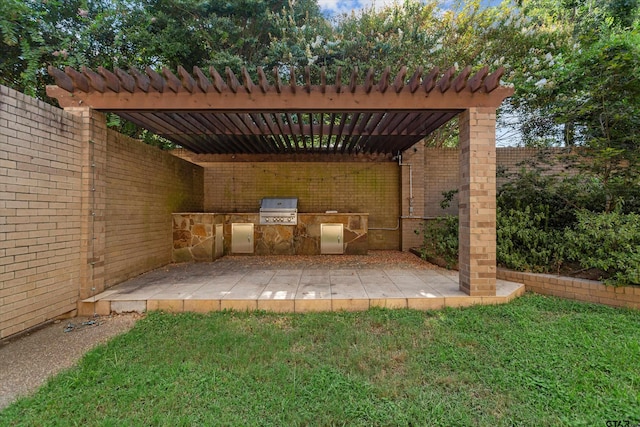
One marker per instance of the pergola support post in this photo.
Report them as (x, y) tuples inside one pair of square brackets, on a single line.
[(93, 231), (477, 202)]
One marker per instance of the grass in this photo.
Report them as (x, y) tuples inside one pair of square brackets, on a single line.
[(537, 361)]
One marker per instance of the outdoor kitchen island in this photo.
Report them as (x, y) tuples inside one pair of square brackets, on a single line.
[(207, 236)]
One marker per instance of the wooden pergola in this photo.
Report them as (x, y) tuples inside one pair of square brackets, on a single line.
[(369, 113)]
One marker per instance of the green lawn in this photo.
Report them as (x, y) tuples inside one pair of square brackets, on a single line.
[(537, 361)]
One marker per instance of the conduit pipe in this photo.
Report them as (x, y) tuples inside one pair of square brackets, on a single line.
[(410, 184), (397, 227)]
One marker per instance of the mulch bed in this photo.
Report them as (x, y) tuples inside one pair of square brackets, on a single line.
[(374, 259), (567, 270)]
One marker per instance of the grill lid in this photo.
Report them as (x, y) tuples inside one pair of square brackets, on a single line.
[(279, 204)]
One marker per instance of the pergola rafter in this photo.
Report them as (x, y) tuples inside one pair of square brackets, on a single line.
[(230, 115)]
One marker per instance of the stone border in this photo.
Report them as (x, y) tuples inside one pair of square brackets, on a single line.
[(575, 289), (103, 305)]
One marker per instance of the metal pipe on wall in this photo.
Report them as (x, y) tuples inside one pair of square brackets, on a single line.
[(410, 183)]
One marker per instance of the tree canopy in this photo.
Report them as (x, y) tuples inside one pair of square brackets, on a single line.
[(574, 63)]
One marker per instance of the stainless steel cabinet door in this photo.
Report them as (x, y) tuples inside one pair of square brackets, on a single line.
[(218, 250), (331, 239), (242, 238)]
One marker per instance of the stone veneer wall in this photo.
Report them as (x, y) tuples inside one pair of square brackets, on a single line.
[(40, 201), (144, 187), (370, 187), (306, 237), (194, 234), (575, 289)]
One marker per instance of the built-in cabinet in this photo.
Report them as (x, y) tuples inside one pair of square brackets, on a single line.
[(331, 239), (208, 236), (241, 238)]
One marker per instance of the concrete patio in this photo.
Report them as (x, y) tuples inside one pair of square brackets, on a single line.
[(295, 284)]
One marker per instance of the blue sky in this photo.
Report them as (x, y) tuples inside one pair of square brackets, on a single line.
[(332, 7), (336, 7)]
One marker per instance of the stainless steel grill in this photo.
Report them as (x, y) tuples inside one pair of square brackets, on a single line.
[(279, 210)]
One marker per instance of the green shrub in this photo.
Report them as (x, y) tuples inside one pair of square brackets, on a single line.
[(609, 242), (525, 241), (440, 240), (544, 222), (561, 195)]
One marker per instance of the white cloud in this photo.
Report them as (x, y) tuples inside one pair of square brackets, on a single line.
[(334, 7), (328, 4)]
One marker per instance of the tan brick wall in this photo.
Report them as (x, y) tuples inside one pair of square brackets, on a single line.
[(367, 187), (144, 186), (575, 289), (81, 208), (91, 138), (40, 197), (512, 159), (442, 172)]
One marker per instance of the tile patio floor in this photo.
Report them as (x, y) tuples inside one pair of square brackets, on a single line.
[(293, 284)]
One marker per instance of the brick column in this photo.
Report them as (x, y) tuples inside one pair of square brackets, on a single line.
[(92, 219), (412, 199), (477, 202)]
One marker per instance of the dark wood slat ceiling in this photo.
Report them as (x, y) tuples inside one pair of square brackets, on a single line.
[(226, 114)]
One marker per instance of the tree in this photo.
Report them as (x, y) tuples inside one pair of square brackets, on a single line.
[(569, 27), (573, 63), (138, 33), (56, 32), (584, 90), (606, 111), (20, 43), (414, 33)]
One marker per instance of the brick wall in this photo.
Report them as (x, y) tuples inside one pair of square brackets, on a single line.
[(442, 172), (575, 289), (510, 159), (368, 187), (239, 186), (144, 186), (81, 208), (40, 197)]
